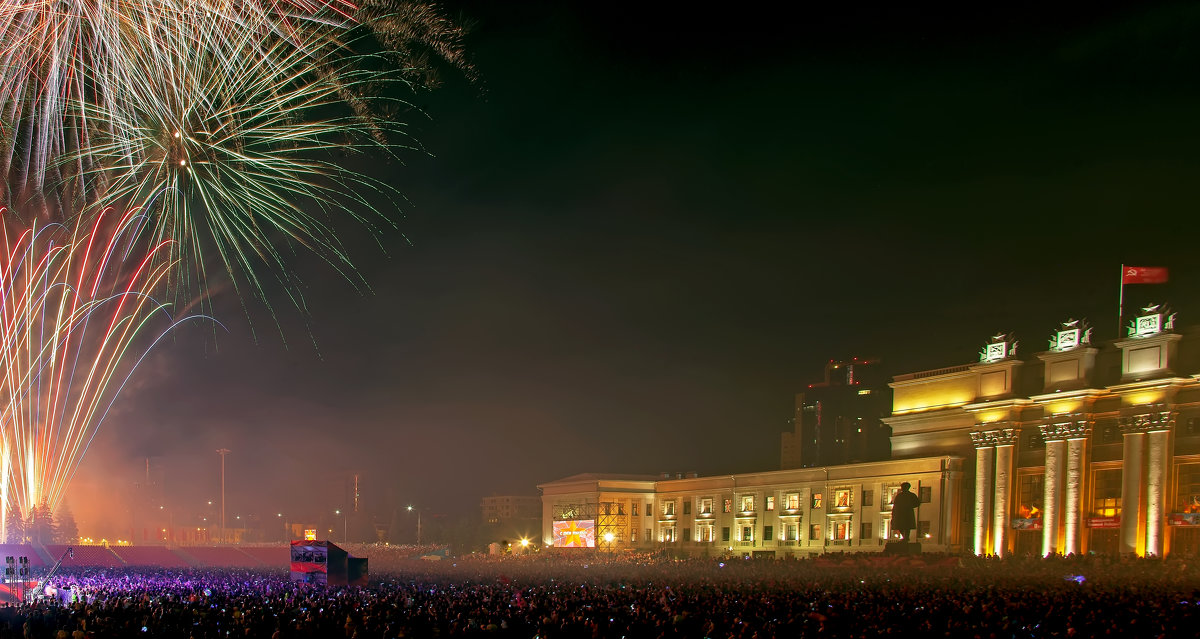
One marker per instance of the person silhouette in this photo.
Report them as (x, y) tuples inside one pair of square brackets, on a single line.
[(904, 517)]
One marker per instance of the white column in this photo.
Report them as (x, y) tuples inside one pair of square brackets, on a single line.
[(949, 511), (1074, 495), (1051, 490), (1155, 483), (1000, 515), (983, 496), (1131, 490)]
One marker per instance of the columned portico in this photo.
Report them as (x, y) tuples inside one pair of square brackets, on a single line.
[(1063, 484), (1147, 438), (993, 469)]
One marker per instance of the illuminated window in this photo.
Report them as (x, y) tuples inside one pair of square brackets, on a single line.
[(841, 530), (770, 502), (706, 534), (747, 504), (868, 498), (669, 508), (706, 506), (791, 501), (814, 531), (668, 534), (791, 531), (633, 535), (841, 498), (728, 506), (1030, 493), (816, 501), (747, 533), (1106, 499), (1188, 498), (634, 507)]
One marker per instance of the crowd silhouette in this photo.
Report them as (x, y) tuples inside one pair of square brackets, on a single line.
[(548, 595)]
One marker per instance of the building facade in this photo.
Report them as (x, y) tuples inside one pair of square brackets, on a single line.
[(769, 514), (1081, 448)]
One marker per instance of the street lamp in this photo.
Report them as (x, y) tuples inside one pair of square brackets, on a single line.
[(345, 537), (286, 533), (410, 509)]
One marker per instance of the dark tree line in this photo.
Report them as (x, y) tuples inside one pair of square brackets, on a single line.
[(41, 526)]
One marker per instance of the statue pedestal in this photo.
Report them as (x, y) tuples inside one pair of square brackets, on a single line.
[(902, 548)]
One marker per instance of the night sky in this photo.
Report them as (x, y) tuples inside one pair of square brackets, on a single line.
[(644, 230)]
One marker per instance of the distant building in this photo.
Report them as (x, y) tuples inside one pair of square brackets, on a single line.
[(1081, 448), (839, 420), (498, 509)]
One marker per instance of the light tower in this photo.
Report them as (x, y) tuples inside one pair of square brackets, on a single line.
[(223, 452)]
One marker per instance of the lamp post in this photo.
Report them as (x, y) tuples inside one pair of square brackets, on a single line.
[(286, 533), (410, 509), (223, 452)]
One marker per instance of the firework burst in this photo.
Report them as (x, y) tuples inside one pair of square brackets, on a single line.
[(76, 319)]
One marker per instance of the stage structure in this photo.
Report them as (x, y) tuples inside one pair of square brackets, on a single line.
[(323, 562)]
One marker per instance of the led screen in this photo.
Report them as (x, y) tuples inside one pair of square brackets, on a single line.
[(577, 533)]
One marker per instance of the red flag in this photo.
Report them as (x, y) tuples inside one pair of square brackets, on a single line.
[(1144, 275)]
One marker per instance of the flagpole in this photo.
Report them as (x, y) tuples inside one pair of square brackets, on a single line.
[(1121, 302)]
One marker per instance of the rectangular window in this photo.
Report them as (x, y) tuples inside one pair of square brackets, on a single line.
[(747, 504), (687, 508), (864, 530), (1106, 500), (791, 501), (816, 501), (747, 533), (791, 532), (706, 506), (725, 533), (706, 534), (841, 530), (926, 494), (868, 498), (841, 498), (669, 508), (633, 535), (649, 534), (634, 506), (768, 533), (649, 509), (687, 534), (891, 494), (923, 530), (668, 534), (728, 505), (1188, 498), (770, 502), (814, 531)]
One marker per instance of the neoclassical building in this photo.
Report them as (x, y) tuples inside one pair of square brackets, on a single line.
[(1081, 448)]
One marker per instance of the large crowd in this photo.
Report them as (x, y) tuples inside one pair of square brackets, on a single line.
[(548, 596)]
